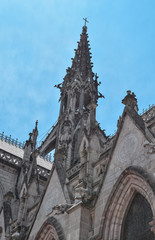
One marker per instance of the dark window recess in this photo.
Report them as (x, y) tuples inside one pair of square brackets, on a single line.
[(77, 103), (87, 99), (136, 222)]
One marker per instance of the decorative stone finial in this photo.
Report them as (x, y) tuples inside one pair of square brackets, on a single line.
[(30, 136), (36, 123), (130, 100), (86, 21)]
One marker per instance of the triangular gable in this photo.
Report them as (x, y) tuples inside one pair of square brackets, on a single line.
[(53, 196), (134, 129), (137, 121)]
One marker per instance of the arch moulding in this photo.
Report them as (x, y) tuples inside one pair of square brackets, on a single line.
[(131, 181), (50, 230)]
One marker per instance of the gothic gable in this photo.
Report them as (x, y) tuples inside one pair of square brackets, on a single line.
[(53, 196), (128, 150), (128, 145)]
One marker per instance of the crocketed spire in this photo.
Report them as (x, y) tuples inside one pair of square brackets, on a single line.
[(82, 60)]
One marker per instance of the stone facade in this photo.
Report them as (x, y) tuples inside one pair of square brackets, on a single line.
[(98, 187)]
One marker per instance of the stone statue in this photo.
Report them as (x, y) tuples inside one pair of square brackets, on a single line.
[(65, 136), (7, 212), (84, 194), (83, 161), (61, 208)]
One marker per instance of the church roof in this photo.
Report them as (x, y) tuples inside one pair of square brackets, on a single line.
[(19, 152)]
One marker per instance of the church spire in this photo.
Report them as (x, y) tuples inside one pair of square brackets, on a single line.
[(80, 86), (82, 60), (79, 96)]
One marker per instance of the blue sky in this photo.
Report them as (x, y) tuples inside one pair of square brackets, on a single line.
[(37, 42)]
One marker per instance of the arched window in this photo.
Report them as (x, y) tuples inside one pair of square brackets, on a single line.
[(130, 207), (50, 230), (136, 221)]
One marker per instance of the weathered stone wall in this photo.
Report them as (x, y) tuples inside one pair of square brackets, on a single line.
[(8, 177), (129, 151), (75, 223), (53, 196)]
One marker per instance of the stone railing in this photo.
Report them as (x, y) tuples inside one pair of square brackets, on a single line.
[(146, 110), (16, 161), (148, 113), (73, 170), (11, 141), (10, 158), (43, 172), (16, 143)]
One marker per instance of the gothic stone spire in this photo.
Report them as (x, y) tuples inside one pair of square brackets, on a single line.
[(80, 79), (82, 59)]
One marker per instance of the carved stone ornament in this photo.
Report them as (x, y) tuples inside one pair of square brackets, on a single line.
[(61, 208), (65, 136), (130, 100), (83, 194), (150, 147), (83, 161)]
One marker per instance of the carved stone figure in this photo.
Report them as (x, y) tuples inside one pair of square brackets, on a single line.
[(7, 212), (61, 208), (83, 161), (83, 194), (65, 134)]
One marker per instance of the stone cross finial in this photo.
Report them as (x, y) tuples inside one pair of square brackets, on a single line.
[(86, 21)]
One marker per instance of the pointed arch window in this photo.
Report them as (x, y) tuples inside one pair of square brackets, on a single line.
[(48, 233), (136, 220), (50, 230)]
